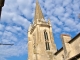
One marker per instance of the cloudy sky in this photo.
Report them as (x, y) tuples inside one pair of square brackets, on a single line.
[(17, 15)]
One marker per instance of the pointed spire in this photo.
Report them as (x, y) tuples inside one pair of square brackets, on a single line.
[(38, 13)]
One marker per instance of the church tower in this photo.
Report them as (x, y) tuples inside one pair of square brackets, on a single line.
[(41, 44)]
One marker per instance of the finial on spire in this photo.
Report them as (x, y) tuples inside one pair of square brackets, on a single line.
[(36, 0), (49, 21)]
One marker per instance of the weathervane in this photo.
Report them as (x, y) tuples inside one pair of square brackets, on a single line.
[(1, 5)]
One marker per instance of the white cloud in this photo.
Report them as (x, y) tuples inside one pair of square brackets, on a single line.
[(66, 2), (78, 25), (59, 10), (67, 29), (2, 27)]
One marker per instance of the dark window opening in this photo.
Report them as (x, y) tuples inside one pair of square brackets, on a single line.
[(46, 35), (47, 46)]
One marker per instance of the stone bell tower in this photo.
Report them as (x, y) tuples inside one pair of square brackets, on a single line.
[(40, 38)]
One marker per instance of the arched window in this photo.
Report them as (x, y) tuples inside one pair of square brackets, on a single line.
[(45, 35), (46, 40)]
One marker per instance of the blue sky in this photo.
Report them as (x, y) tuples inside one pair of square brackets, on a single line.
[(17, 15)]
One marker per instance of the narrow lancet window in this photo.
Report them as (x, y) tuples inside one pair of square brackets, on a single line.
[(47, 46), (45, 35), (46, 40)]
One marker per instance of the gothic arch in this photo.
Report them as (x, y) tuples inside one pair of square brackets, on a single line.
[(46, 40)]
